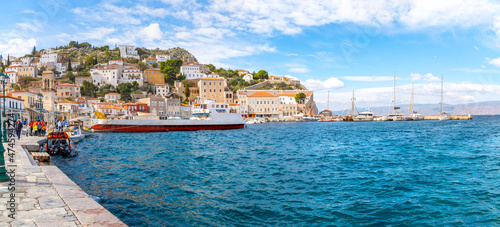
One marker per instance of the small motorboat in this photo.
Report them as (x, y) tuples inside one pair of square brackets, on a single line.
[(58, 143), (76, 135)]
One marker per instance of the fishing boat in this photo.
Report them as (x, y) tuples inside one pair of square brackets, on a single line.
[(206, 116), (326, 119), (444, 115)]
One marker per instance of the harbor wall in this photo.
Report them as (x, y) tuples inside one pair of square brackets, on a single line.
[(435, 118)]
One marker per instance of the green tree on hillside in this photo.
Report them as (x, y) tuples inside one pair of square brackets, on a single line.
[(141, 65), (70, 76), (211, 67), (181, 77), (89, 89), (186, 91), (72, 44), (106, 88), (69, 68), (135, 85), (15, 87), (171, 68), (125, 89), (262, 74), (33, 52), (300, 97), (85, 45), (89, 61)]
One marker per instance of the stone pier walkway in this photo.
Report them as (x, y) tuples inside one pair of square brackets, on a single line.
[(45, 196)]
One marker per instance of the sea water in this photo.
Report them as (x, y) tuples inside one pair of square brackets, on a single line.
[(304, 173)]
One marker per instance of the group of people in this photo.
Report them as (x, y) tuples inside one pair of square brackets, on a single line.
[(61, 124), (37, 128)]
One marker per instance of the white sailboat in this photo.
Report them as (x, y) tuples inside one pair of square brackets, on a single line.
[(414, 116), (395, 115), (444, 115)]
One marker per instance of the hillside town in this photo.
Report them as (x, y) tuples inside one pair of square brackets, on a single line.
[(67, 83)]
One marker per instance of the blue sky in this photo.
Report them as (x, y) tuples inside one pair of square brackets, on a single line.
[(336, 46)]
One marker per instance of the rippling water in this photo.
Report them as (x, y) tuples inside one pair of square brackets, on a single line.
[(370, 173)]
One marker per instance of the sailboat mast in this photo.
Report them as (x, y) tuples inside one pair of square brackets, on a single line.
[(442, 93), (394, 100), (411, 98), (328, 102), (353, 103)]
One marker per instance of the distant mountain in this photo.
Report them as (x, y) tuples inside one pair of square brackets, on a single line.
[(477, 108)]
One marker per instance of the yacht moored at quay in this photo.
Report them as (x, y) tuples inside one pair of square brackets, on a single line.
[(207, 116)]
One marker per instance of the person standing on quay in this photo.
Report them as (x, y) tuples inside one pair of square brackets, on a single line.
[(44, 127), (19, 127), (31, 128), (35, 128), (59, 124), (39, 126)]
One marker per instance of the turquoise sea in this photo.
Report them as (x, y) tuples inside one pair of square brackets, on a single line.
[(298, 174)]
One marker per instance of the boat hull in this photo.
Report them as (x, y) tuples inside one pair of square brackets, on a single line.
[(162, 128)]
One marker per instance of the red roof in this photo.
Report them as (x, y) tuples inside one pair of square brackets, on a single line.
[(261, 94)]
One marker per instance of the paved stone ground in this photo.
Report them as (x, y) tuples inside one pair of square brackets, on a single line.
[(45, 196)]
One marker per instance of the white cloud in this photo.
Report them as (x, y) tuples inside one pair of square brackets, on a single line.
[(330, 83), (427, 77), (17, 46), (368, 78), (495, 62), (292, 77), (95, 33), (151, 32), (298, 70), (475, 47), (29, 11)]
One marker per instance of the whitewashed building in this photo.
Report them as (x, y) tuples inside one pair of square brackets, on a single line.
[(50, 57), (105, 75), (173, 107), (128, 51), (130, 75), (192, 72), (162, 58), (12, 73), (162, 90), (16, 63), (14, 106), (75, 64), (26, 61), (248, 78), (112, 97)]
